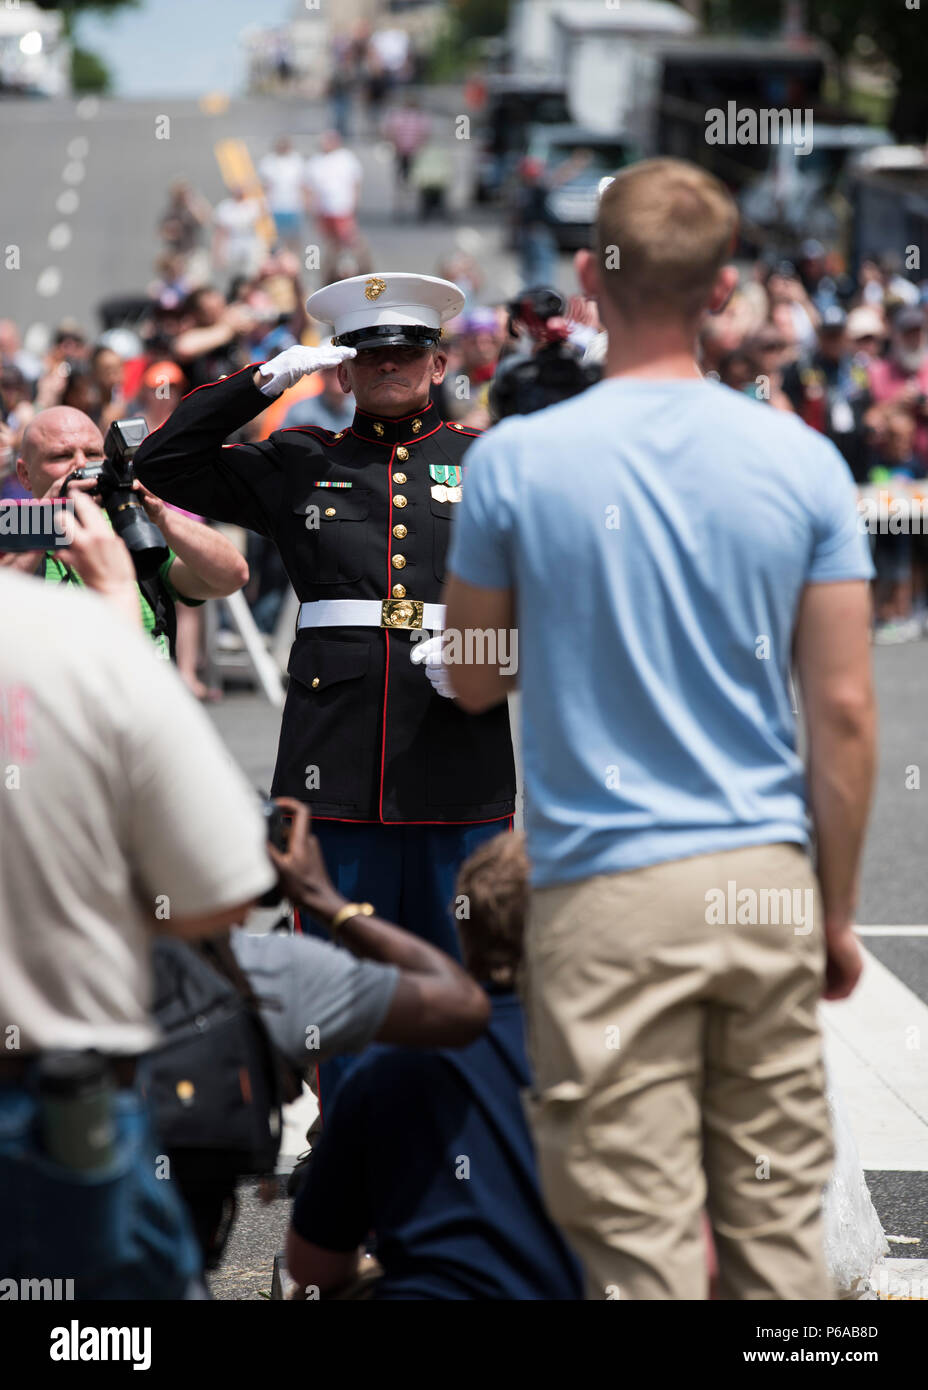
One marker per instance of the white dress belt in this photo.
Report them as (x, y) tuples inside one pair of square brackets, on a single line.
[(363, 612)]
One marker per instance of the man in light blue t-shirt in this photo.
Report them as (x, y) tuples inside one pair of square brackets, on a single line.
[(668, 550)]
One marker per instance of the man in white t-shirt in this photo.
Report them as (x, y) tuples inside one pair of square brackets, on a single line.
[(121, 814), (333, 186), (238, 246), (281, 173), (333, 192)]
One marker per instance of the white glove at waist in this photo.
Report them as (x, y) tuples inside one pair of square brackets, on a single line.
[(428, 654), (287, 367)]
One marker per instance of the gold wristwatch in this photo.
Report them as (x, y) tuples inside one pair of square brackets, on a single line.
[(344, 914)]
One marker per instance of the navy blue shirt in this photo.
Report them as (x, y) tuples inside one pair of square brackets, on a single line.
[(431, 1152)]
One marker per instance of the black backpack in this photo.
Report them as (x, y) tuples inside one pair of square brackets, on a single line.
[(217, 1082)]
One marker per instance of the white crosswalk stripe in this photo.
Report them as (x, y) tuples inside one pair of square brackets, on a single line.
[(877, 1043)]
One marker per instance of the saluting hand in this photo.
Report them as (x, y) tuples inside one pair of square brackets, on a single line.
[(287, 367)]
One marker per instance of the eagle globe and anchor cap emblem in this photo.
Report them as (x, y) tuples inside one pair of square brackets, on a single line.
[(391, 309)]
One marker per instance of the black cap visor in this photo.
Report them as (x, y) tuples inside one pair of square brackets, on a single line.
[(385, 335)]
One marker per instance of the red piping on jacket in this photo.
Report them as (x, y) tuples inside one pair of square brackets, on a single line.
[(369, 415), (312, 429), (386, 634), (416, 439), (252, 366)]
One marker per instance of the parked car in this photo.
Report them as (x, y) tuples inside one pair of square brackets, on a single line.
[(514, 106), (572, 203)]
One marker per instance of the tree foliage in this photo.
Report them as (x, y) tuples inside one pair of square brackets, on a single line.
[(894, 30), (88, 72), (481, 19), (77, 7)]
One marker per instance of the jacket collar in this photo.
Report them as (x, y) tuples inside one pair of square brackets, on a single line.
[(406, 430)]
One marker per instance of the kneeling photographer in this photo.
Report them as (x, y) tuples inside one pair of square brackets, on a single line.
[(176, 558), (268, 1007), (159, 841)]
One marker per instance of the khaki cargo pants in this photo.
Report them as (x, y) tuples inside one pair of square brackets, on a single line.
[(678, 1067)]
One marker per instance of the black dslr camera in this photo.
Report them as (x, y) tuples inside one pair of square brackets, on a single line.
[(553, 372), (114, 478), (278, 835)]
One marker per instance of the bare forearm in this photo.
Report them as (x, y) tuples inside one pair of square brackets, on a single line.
[(436, 1004), (840, 782), (210, 558), (479, 688), (480, 644), (196, 341), (371, 938), (27, 563)]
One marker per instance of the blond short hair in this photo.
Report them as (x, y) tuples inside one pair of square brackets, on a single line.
[(665, 229)]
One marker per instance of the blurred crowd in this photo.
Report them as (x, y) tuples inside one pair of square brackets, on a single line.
[(849, 354)]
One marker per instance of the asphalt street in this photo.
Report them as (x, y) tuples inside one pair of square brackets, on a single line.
[(83, 184)]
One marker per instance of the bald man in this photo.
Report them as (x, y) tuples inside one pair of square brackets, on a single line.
[(201, 564)]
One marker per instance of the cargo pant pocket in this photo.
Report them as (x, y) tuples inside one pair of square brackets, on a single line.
[(571, 1179)]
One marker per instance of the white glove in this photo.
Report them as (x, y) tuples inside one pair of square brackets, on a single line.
[(294, 362), (428, 654)]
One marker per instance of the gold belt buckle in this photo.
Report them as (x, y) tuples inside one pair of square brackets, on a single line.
[(401, 612)]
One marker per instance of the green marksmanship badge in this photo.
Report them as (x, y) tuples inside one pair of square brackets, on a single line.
[(448, 474)]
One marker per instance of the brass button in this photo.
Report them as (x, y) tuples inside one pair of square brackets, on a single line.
[(399, 477), (399, 562), (315, 682), (330, 511), (399, 532), (399, 500), (398, 591), (402, 454)]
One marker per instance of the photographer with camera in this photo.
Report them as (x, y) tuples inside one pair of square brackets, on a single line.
[(302, 1002), (176, 559), (545, 367)]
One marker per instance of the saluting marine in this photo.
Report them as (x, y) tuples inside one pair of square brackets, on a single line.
[(403, 784)]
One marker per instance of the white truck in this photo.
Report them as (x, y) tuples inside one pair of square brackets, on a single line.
[(641, 71), (35, 55)]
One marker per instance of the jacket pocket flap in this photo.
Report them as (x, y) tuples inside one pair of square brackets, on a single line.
[(326, 663), (345, 504)]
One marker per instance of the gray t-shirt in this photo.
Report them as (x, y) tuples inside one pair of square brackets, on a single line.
[(316, 999)]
